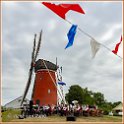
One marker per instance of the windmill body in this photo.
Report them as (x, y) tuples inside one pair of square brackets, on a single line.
[(45, 87), (44, 90)]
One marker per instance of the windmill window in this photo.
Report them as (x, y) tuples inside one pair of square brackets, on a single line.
[(49, 91), (40, 77)]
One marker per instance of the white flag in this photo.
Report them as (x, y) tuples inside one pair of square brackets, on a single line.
[(95, 46)]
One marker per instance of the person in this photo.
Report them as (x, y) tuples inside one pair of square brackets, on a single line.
[(24, 111), (61, 109), (37, 110), (65, 109), (49, 110), (79, 110), (86, 110), (31, 107)]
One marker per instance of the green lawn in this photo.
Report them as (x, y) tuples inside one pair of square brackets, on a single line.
[(11, 116)]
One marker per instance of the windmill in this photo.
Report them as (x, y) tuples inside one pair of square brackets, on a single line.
[(45, 89), (33, 59)]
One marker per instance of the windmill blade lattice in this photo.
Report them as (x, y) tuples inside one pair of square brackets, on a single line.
[(34, 57), (38, 46)]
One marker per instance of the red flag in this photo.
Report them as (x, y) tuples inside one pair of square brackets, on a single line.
[(117, 46), (62, 9)]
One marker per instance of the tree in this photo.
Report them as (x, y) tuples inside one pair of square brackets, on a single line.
[(99, 98), (88, 97), (84, 96), (75, 93)]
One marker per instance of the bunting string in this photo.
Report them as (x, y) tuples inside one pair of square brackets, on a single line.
[(88, 35), (111, 51), (80, 29)]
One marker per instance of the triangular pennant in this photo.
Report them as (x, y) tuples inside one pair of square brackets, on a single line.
[(71, 35), (117, 46), (62, 9), (95, 46)]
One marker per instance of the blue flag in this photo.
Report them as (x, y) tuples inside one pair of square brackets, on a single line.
[(61, 83), (71, 35)]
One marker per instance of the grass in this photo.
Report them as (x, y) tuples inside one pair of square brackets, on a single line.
[(11, 116), (105, 118), (78, 119)]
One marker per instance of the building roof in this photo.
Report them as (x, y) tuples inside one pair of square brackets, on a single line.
[(16, 103), (118, 107)]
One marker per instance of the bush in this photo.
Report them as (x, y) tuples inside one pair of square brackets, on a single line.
[(106, 112), (3, 109)]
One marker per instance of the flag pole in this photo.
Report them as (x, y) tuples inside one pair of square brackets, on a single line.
[(88, 35)]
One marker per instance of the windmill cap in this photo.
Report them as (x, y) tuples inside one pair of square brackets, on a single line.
[(40, 65)]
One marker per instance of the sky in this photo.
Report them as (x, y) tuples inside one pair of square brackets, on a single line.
[(102, 20)]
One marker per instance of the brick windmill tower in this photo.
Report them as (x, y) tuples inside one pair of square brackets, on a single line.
[(45, 88)]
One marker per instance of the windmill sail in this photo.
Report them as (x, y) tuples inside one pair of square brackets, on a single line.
[(38, 46), (34, 48), (34, 56)]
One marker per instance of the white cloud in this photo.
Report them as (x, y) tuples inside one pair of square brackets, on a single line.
[(111, 32)]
